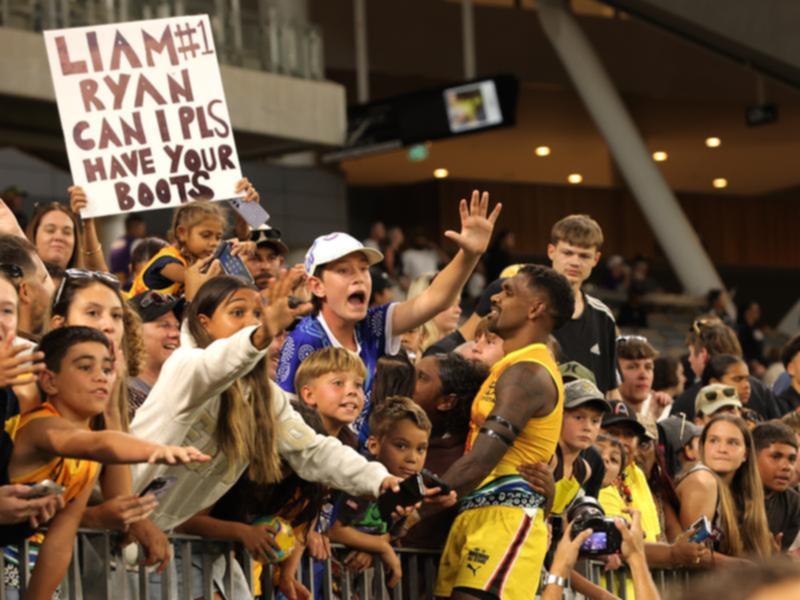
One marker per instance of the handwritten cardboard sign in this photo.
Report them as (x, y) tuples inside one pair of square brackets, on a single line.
[(143, 113)]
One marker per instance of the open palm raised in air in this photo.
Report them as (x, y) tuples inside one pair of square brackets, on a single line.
[(476, 227)]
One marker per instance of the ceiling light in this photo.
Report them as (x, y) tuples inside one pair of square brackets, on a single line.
[(543, 151), (720, 183), (713, 142), (441, 173), (575, 178), (660, 156)]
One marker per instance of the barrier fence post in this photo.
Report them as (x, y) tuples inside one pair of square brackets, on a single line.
[(166, 576), (345, 576), (327, 580), (208, 585), (229, 558), (186, 569), (430, 577), (312, 587), (24, 568), (2, 570), (142, 575)]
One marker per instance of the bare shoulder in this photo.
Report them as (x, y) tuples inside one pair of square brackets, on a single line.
[(529, 386), (526, 377), (699, 480)]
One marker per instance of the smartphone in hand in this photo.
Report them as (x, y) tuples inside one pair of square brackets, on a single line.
[(702, 530), (232, 265), (434, 481), (411, 491), (159, 486), (46, 487)]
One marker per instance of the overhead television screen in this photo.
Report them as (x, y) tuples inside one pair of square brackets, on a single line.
[(473, 106)]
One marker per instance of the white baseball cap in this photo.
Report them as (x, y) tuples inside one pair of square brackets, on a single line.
[(331, 247)]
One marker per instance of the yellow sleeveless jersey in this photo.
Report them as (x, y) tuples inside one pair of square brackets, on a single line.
[(139, 286), (566, 490), (538, 439)]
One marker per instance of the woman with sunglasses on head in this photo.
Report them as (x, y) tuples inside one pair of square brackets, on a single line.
[(93, 299), (725, 488)]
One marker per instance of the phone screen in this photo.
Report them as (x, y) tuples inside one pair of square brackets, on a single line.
[(159, 486), (233, 265)]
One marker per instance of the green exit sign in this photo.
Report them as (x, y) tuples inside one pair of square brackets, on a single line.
[(418, 152)]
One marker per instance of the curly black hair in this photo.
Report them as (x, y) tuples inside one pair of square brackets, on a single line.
[(562, 303), (463, 378)]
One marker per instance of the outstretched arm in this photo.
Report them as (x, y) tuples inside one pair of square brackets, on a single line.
[(476, 231), (525, 390), (58, 437)]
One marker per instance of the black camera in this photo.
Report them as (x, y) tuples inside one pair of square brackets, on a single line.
[(586, 513)]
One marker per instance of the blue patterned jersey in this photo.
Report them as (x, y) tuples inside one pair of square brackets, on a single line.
[(374, 337)]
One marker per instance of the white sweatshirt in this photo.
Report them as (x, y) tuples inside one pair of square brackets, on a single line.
[(182, 409)]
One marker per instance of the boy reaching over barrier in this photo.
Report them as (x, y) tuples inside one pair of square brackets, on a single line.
[(337, 267), (56, 441)]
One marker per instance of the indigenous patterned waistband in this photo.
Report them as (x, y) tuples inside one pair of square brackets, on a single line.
[(507, 490)]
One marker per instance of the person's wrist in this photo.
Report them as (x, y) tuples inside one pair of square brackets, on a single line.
[(240, 532), (560, 568), (636, 560)]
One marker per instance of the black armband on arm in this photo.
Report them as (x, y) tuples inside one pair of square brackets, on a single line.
[(505, 423), (500, 437)]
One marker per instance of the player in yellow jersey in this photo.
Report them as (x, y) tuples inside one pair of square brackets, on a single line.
[(498, 541)]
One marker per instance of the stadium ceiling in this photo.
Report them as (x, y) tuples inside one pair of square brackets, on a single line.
[(678, 92)]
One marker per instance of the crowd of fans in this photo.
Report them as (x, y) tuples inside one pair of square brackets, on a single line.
[(313, 390)]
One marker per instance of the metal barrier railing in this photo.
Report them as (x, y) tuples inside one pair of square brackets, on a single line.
[(616, 581), (325, 579), (328, 579)]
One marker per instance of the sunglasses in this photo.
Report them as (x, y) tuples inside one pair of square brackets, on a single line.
[(712, 395), (623, 339), (699, 324), (11, 271), (265, 235), (83, 274), (152, 298)]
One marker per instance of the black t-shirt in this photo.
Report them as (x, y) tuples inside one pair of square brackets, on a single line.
[(762, 401), (591, 340), (446, 345), (595, 481), (9, 410), (783, 514), (789, 399)]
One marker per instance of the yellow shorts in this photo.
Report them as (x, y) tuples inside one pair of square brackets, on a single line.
[(497, 549)]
